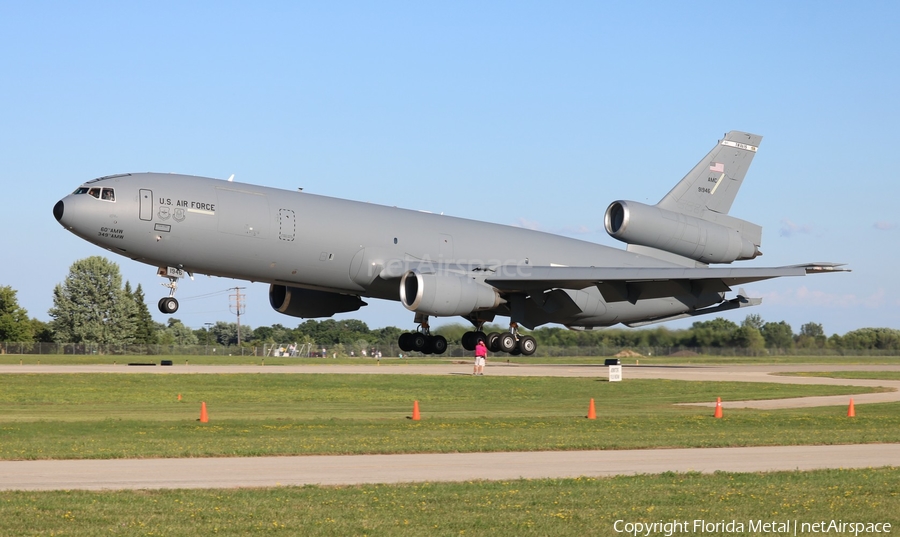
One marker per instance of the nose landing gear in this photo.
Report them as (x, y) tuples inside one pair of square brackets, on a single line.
[(169, 305)]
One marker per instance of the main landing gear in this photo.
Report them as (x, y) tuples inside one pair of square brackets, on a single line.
[(510, 342), (421, 340)]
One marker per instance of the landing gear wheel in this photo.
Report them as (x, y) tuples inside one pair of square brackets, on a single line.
[(480, 335), (468, 341), (418, 341), (168, 305), (527, 345), (437, 345), (405, 342), (506, 342), (515, 352), (493, 342)]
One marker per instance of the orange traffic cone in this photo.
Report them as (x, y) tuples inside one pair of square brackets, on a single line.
[(415, 416), (179, 397), (718, 413), (851, 412), (204, 417), (592, 413)]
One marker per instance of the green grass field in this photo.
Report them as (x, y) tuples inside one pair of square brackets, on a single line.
[(80, 359), (579, 507), (133, 415), (129, 415)]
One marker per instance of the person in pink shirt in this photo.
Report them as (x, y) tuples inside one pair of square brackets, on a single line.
[(480, 357)]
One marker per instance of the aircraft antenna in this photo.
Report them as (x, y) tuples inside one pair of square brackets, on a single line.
[(230, 179), (237, 308)]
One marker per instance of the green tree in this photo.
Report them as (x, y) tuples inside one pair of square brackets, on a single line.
[(812, 335), (177, 334), (91, 305), (43, 333), (716, 333), (748, 335), (870, 338), (778, 335), (226, 333), (14, 322), (144, 326), (753, 321)]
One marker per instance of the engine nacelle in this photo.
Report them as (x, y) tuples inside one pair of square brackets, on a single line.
[(635, 223), (306, 303), (446, 294)]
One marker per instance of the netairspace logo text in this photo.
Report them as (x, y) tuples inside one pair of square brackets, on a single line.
[(770, 527)]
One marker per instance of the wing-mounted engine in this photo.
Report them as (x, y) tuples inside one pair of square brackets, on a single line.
[(307, 303), (446, 294), (699, 239)]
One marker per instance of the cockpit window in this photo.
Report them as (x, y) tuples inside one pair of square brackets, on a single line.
[(106, 194)]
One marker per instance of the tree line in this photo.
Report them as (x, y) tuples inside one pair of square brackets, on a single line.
[(93, 305)]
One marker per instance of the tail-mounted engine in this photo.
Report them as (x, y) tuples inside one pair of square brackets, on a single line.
[(446, 294), (701, 240)]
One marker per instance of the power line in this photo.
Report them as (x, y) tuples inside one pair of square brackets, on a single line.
[(207, 295), (238, 309)]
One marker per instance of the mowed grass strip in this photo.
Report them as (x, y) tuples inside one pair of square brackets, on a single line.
[(123, 416), (274, 361), (583, 506)]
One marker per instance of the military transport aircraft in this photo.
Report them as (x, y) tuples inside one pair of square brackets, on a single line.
[(322, 256)]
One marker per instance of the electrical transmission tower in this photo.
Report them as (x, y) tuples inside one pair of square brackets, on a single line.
[(237, 307)]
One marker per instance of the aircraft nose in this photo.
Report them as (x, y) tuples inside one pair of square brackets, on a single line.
[(58, 210)]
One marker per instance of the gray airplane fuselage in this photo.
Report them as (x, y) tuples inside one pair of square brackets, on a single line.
[(322, 255), (297, 239)]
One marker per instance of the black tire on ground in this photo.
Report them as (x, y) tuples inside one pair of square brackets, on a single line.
[(527, 345), (506, 342)]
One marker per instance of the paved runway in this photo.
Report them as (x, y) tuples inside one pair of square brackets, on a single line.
[(356, 469)]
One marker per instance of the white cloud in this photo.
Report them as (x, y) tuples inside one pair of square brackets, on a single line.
[(789, 228), (884, 225), (576, 230), (528, 224)]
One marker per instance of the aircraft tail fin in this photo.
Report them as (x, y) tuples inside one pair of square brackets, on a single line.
[(714, 182)]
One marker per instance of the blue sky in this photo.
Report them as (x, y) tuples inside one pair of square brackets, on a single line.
[(521, 113)]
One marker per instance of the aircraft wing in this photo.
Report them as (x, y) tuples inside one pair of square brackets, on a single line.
[(634, 283)]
